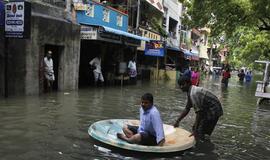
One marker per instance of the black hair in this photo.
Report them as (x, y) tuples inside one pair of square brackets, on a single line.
[(148, 96), (183, 79)]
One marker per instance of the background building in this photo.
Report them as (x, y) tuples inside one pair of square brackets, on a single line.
[(105, 32)]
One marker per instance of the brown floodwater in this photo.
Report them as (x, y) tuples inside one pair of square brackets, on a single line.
[(54, 126)]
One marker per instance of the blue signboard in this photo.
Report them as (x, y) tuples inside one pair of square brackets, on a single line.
[(2, 12), (154, 48)]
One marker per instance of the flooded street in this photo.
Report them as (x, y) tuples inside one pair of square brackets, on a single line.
[(54, 126)]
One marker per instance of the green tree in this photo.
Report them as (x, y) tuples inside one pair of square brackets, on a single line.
[(227, 15), (248, 45), (246, 24)]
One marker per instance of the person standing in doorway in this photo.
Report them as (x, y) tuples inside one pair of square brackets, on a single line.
[(96, 64), (48, 71), (132, 71)]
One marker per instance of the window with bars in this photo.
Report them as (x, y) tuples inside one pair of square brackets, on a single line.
[(119, 20), (106, 15), (90, 10)]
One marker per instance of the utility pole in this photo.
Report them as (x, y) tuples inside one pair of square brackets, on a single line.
[(138, 16), (137, 24), (211, 55)]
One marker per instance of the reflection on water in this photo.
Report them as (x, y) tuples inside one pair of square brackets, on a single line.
[(54, 126)]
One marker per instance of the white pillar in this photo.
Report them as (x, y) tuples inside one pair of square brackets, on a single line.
[(68, 5), (138, 16)]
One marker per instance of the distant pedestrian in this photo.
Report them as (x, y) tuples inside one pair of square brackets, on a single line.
[(248, 76), (48, 71), (216, 73), (241, 75), (195, 77), (226, 75), (96, 64), (187, 73), (132, 71), (206, 105)]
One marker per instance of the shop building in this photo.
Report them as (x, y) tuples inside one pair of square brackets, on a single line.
[(140, 23), (50, 28), (104, 32), (174, 57)]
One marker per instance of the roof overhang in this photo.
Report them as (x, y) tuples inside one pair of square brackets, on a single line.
[(123, 33)]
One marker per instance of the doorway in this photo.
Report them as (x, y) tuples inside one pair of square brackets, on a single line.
[(56, 51)]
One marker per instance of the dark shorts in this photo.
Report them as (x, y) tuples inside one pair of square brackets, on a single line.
[(206, 127), (146, 139)]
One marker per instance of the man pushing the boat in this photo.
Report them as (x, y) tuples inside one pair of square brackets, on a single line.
[(150, 131), (206, 105)]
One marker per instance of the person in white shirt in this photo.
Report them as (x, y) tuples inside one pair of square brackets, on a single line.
[(132, 71), (96, 63), (48, 70)]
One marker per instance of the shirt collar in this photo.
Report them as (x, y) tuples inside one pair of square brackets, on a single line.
[(148, 110)]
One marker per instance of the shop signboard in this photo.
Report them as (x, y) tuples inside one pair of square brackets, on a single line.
[(89, 33), (154, 48), (17, 19), (131, 41), (2, 13)]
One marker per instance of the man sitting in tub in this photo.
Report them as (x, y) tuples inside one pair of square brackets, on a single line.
[(150, 131)]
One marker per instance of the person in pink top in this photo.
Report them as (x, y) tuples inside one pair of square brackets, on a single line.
[(195, 77)]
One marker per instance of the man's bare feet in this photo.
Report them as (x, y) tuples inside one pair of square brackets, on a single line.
[(121, 136)]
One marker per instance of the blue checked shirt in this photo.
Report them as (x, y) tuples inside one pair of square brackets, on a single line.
[(151, 123)]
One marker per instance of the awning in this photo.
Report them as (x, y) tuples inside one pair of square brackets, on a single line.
[(187, 52), (189, 55), (195, 55), (123, 33), (195, 58)]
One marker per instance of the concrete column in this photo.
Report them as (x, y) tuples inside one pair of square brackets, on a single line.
[(2, 62), (167, 22), (138, 16), (68, 5)]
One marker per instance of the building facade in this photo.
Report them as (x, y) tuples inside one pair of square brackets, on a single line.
[(50, 29), (104, 32), (2, 54)]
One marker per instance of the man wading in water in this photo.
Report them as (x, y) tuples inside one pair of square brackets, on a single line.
[(206, 106)]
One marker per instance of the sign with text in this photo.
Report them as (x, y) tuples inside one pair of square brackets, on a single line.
[(2, 13), (89, 33), (17, 19), (154, 48)]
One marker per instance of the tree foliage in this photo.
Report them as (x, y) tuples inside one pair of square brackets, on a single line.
[(227, 15), (246, 24), (248, 45)]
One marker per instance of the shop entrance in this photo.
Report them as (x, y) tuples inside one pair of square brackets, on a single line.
[(56, 51)]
